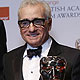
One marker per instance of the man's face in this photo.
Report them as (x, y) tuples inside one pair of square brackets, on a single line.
[(35, 35)]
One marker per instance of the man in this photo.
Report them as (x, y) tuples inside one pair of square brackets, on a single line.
[(35, 23), (3, 46)]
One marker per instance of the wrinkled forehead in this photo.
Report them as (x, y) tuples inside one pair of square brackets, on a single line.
[(32, 10)]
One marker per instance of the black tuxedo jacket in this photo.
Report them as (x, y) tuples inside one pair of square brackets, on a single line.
[(14, 59)]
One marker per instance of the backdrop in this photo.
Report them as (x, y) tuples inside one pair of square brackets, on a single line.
[(65, 25)]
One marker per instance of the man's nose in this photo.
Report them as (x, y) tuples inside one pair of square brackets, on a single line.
[(31, 27)]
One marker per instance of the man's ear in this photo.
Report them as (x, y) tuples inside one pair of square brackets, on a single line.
[(49, 24)]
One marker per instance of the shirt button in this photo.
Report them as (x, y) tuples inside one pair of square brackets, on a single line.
[(31, 71)]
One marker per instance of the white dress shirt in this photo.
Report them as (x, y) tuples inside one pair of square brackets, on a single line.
[(31, 67)]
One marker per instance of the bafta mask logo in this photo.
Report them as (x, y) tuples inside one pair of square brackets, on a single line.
[(77, 44), (52, 68)]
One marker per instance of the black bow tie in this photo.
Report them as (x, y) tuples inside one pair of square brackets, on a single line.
[(34, 52)]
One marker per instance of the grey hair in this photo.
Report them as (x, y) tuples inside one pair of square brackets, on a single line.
[(46, 6)]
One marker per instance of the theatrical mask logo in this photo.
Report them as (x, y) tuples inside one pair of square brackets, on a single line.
[(77, 44), (52, 68)]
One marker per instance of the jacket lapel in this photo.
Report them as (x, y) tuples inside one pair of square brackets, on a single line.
[(55, 49), (18, 63)]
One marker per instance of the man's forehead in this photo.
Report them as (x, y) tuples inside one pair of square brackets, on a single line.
[(32, 12)]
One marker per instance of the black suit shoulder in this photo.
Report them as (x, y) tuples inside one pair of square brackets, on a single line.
[(16, 52), (69, 51)]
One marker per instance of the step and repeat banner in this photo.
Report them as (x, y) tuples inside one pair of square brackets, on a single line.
[(65, 25)]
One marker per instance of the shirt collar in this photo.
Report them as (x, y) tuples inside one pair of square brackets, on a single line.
[(47, 44), (44, 46)]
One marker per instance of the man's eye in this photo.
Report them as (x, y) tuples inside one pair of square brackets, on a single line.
[(38, 22), (25, 23)]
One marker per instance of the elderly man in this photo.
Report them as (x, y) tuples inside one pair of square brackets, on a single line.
[(34, 19)]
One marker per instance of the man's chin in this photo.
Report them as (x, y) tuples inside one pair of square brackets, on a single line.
[(34, 43)]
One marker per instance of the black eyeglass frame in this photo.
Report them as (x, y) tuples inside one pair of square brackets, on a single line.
[(32, 21)]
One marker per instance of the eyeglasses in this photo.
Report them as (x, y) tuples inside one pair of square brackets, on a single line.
[(38, 22)]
